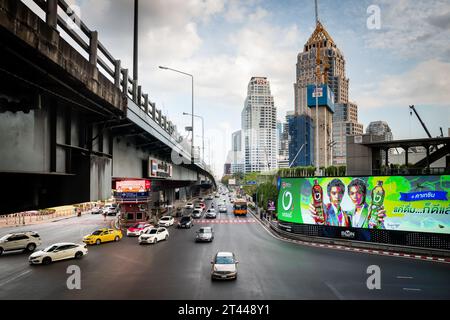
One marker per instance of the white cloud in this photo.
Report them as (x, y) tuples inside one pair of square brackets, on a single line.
[(426, 84), (413, 29)]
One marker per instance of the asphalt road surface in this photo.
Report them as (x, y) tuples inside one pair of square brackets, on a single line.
[(179, 268)]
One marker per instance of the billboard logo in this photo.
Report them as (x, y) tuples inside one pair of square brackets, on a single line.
[(348, 234), (287, 194)]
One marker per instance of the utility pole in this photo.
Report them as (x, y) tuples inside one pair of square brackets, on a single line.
[(135, 42)]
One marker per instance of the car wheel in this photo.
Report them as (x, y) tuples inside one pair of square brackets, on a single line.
[(1, 251), (46, 261), (78, 255), (98, 241), (31, 247), (116, 238)]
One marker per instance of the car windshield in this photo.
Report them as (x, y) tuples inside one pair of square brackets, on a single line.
[(152, 231), (50, 249), (5, 237), (97, 232), (185, 219), (205, 230), (224, 260), (165, 218), (139, 226)]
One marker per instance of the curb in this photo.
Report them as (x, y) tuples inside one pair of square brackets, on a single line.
[(380, 252)]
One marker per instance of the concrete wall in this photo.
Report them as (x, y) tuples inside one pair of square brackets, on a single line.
[(359, 158), (25, 141), (100, 178)]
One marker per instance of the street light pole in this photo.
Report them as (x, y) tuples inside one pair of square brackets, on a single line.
[(135, 44), (192, 120), (203, 131)]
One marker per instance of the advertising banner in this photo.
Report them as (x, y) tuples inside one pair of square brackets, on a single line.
[(270, 205), (159, 169), (132, 186), (409, 203)]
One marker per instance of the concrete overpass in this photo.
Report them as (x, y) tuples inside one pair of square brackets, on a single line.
[(72, 120)]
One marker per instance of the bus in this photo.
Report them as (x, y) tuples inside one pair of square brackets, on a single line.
[(240, 207)]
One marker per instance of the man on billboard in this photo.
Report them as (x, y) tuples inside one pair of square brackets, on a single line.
[(333, 214), (359, 215)]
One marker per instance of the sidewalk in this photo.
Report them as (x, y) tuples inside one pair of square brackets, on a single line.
[(42, 216)]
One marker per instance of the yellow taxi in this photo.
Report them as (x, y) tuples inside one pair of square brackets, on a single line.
[(103, 235)]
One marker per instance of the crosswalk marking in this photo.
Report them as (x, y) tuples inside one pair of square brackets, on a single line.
[(226, 221)]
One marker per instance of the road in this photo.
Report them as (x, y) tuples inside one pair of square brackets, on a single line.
[(179, 268)]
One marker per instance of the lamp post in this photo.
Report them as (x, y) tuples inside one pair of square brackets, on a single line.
[(203, 131), (192, 121), (135, 40)]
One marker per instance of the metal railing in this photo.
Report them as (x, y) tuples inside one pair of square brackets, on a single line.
[(120, 76)]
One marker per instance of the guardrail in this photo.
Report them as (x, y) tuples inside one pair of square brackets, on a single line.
[(108, 65)]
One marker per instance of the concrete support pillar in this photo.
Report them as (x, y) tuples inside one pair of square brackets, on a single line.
[(153, 111), (134, 90), (52, 13), (145, 103), (386, 162), (117, 73), (125, 81), (139, 96), (406, 155), (93, 47)]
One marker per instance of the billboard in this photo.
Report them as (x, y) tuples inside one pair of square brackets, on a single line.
[(132, 186), (399, 203), (324, 96), (159, 169)]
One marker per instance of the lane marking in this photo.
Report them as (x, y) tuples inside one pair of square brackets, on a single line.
[(14, 278), (404, 277), (412, 289)]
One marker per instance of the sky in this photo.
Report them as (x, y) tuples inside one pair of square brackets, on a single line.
[(223, 43)]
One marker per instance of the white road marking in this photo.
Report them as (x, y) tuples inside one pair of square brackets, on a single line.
[(14, 278), (404, 277), (412, 289)]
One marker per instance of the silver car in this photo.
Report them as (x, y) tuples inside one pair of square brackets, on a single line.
[(224, 266), (205, 234), (210, 214)]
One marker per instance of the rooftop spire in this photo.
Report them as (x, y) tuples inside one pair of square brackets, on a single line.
[(317, 11)]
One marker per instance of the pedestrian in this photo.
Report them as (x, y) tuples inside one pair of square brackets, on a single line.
[(104, 215)]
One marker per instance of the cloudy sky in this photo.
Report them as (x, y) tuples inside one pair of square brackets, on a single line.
[(223, 43)]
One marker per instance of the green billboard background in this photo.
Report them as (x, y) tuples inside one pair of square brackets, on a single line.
[(411, 203)]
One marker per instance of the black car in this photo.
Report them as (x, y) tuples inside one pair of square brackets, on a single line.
[(186, 222)]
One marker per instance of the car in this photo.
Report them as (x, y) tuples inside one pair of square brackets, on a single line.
[(58, 251), (189, 205), (138, 229), (96, 210), (205, 234), (224, 266), (223, 209), (197, 213), (166, 221), (201, 199), (111, 209), (186, 222), (209, 197), (26, 240), (103, 235), (198, 208), (154, 235), (217, 196), (210, 214), (232, 201)]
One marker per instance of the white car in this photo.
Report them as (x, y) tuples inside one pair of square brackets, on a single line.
[(223, 209), (27, 240), (224, 266), (210, 197), (166, 221), (189, 205), (211, 213), (154, 235), (58, 251)]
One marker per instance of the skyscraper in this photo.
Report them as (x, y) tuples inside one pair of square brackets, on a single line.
[(259, 127), (237, 162), (320, 50), (345, 123), (380, 128)]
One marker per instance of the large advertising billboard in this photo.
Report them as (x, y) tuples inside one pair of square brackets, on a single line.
[(402, 203)]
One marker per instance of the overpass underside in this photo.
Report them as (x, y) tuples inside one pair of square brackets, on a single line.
[(64, 130)]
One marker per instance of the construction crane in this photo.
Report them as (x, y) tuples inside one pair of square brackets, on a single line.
[(420, 119)]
